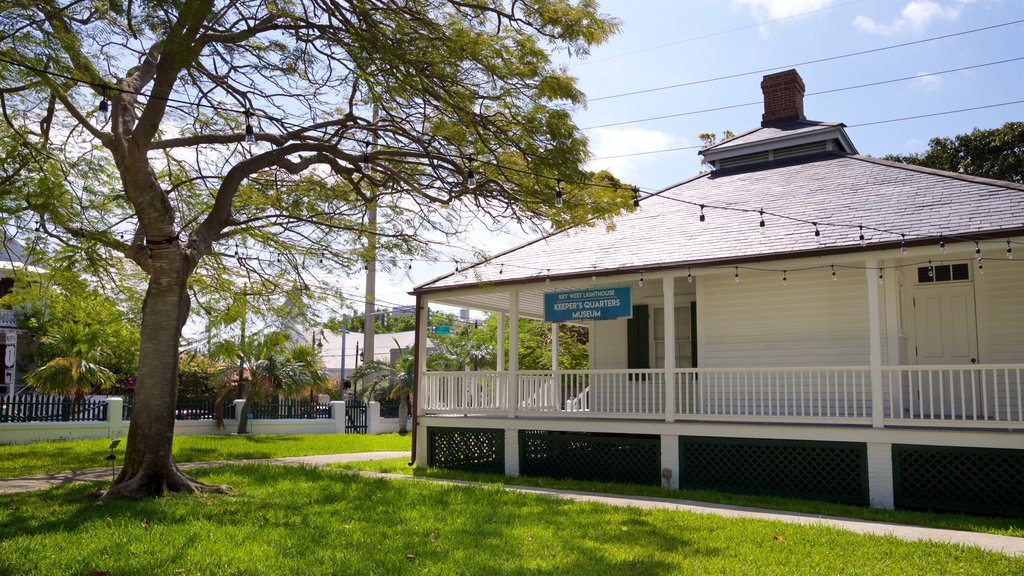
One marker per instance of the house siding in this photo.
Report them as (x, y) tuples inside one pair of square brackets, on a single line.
[(1000, 311), (609, 345), (759, 322)]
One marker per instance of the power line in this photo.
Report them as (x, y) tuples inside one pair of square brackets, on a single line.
[(820, 92), (936, 114), (713, 34), (804, 63), (889, 121)]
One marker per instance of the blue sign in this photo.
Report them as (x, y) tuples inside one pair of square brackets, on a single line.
[(590, 304)]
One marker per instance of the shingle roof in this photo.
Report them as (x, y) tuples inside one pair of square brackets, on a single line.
[(830, 189)]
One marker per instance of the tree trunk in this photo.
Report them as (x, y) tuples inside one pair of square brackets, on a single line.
[(243, 418), (149, 468)]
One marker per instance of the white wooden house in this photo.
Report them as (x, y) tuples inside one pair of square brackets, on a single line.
[(805, 321)]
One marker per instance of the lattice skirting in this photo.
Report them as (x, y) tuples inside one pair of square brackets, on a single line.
[(480, 450), (833, 471), (975, 480), (580, 456)]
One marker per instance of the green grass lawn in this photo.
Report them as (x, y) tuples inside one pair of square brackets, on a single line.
[(43, 457), (990, 524), (287, 520)]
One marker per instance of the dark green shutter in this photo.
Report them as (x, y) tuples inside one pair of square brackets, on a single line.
[(638, 341)]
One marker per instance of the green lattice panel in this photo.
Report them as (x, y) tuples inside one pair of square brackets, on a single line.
[(975, 480), (480, 450), (633, 460), (834, 471)]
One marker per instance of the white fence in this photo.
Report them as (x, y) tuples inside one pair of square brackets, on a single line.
[(115, 427), (958, 396)]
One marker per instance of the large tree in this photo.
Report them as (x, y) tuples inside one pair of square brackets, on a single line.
[(431, 114), (992, 153)]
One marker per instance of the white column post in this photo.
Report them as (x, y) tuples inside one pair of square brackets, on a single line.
[(513, 352), (670, 469), (511, 452), (421, 353), (373, 417), (881, 493), (115, 421), (875, 344), (555, 392), (668, 290), (239, 406), (338, 416), (501, 343), (554, 346)]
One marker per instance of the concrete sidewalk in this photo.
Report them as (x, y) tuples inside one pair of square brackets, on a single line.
[(991, 542)]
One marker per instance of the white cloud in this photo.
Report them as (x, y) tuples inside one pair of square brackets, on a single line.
[(915, 17), (775, 9), (607, 143), (927, 82)]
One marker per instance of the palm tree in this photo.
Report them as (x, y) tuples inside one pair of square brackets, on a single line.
[(77, 367), (268, 366), (389, 381)]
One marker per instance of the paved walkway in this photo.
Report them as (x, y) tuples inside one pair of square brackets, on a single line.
[(992, 542)]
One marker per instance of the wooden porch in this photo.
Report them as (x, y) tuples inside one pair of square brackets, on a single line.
[(962, 396)]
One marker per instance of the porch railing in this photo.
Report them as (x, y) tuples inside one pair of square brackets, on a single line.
[(983, 396), (797, 394), (980, 395)]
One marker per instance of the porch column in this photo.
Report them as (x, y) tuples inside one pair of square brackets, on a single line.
[(875, 344), (513, 351), (554, 346), (668, 289), (500, 361), (420, 385)]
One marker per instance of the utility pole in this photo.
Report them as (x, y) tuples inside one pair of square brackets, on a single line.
[(369, 317)]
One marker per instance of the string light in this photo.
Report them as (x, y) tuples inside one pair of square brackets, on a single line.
[(689, 275), (761, 223), (701, 212), (470, 174), (250, 134), (977, 250), (104, 107), (558, 192), (903, 244), (817, 232), (881, 277), (785, 280), (931, 269), (547, 279), (367, 165), (863, 241), (501, 270), (1009, 251), (833, 271), (981, 266), (641, 283), (942, 244), (737, 273), (636, 196)]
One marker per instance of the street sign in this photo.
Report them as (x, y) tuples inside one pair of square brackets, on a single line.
[(441, 329), (590, 304)]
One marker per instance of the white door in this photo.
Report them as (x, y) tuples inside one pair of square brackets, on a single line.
[(947, 330)]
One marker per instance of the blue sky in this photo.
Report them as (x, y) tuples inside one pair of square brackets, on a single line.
[(667, 43)]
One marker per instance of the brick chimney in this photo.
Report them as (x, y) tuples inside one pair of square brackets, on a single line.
[(783, 98)]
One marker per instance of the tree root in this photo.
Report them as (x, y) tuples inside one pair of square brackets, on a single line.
[(154, 483)]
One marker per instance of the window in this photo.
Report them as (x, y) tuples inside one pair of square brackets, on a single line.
[(943, 273), (684, 337)]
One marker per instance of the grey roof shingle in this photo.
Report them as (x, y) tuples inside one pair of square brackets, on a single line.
[(840, 192)]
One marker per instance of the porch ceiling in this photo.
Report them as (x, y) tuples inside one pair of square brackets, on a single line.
[(531, 298)]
